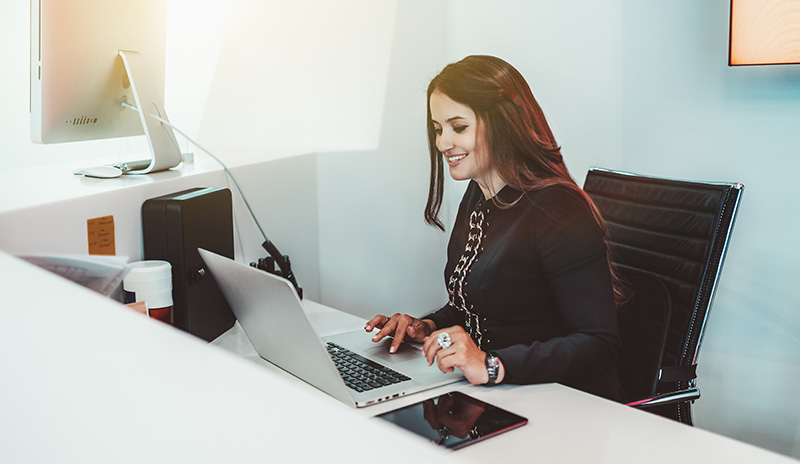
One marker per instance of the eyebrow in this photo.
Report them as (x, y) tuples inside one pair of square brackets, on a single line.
[(454, 118)]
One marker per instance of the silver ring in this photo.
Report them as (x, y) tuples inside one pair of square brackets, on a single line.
[(444, 340)]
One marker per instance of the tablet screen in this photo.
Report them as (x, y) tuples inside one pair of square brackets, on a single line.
[(454, 420)]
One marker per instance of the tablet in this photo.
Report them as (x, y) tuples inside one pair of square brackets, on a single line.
[(454, 420)]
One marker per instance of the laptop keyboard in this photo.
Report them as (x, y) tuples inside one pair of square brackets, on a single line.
[(361, 374)]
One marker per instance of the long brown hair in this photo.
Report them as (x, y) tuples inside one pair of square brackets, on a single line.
[(520, 144)]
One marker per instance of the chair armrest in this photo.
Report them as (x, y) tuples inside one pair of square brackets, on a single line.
[(680, 396)]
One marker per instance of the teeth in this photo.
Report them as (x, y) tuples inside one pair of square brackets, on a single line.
[(455, 159)]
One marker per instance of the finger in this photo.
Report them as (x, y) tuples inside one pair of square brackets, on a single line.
[(428, 340), (434, 349), (446, 360), (432, 353), (388, 329), (399, 334), (429, 347), (411, 331), (377, 321), (432, 340), (416, 330)]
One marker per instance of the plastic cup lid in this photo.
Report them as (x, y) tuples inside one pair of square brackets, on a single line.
[(147, 271)]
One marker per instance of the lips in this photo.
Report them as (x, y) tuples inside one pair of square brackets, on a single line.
[(453, 160)]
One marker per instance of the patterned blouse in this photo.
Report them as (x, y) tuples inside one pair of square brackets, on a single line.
[(531, 282)]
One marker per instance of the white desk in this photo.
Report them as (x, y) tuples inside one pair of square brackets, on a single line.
[(565, 425), (86, 380)]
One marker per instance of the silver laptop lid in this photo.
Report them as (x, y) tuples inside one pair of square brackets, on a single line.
[(277, 326)]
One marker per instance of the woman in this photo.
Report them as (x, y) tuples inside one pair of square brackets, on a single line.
[(531, 293)]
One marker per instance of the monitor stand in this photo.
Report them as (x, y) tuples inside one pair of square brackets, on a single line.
[(164, 150)]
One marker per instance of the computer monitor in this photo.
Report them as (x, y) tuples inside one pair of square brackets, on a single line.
[(88, 59)]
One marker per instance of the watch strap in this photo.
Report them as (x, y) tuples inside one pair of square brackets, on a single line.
[(492, 367)]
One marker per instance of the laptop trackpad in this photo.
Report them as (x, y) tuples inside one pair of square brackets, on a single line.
[(406, 352)]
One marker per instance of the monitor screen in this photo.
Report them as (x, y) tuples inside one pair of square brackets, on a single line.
[(764, 32), (79, 78)]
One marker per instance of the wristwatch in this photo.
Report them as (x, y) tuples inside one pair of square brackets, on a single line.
[(492, 367)]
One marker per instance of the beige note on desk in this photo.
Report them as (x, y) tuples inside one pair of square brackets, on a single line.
[(101, 236)]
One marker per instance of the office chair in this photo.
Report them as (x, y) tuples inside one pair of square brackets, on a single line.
[(668, 240)]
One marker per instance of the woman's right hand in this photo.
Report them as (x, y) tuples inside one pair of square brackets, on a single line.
[(400, 326)]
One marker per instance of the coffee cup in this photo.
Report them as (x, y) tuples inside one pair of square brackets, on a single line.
[(150, 281)]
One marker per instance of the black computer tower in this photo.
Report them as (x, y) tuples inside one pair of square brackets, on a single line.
[(173, 227)]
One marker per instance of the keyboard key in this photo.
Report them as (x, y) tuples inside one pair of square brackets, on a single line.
[(360, 373)]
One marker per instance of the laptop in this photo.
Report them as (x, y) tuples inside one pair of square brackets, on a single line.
[(272, 316)]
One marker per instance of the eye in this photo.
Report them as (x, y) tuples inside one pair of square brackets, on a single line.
[(459, 129), (437, 130)]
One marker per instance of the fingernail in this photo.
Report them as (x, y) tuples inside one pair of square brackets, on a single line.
[(368, 327), (392, 349), (375, 338)]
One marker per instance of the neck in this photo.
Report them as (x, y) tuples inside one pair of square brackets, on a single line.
[(491, 184)]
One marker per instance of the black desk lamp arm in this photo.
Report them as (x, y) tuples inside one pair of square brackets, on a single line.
[(284, 263)]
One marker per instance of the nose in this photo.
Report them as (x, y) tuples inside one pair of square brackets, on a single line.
[(444, 141)]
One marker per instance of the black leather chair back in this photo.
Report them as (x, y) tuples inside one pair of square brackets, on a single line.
[(677, 232), (643, 325)]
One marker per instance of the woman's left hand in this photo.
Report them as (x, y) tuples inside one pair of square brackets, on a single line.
[(462, 354)]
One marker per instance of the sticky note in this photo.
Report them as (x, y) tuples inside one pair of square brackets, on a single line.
[(101, 236)]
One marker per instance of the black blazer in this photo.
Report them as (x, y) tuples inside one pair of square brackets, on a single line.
[(541, 287)]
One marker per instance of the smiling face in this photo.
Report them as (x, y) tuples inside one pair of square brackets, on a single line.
[(459, 139)]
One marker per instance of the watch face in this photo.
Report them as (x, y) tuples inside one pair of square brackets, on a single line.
[(492, 367)]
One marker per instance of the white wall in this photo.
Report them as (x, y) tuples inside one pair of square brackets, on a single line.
[(250, 80), (687, 114), (376, 253), (289, 72), (645, 87), (641, 86), (347, 79), (570, 54), (240, 74)]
